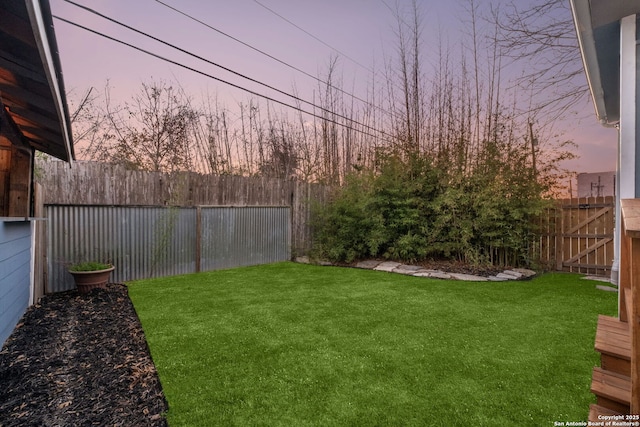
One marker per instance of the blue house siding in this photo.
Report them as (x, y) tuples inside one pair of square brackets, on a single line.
[(15, 273)]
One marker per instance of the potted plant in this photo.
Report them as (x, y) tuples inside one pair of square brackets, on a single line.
[(91, 275)]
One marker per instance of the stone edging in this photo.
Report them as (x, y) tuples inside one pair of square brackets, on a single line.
[(418, 271)]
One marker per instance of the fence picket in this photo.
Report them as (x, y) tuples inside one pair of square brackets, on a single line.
[(577, 236), (103, 184), (567, 230)]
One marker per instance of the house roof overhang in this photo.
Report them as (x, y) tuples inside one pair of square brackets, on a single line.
[(31, 85), (597, 25)]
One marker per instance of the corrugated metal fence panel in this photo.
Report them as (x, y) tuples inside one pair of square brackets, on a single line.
[(140, 241), (144, 242), (241, 236)]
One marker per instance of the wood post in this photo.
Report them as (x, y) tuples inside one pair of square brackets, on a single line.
[(630, 264), (198, 238), (20, 183), (624, 277), (5, 170), (16, 169), (560, 241), (635, 324)]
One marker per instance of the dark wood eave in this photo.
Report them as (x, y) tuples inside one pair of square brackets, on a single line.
[(32, 94)]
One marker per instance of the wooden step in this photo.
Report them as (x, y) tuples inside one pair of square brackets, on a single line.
[(613, 341), (613, 323), (596, 411), (625, 304), (613, 391)]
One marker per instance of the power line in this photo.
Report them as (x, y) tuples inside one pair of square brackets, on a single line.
[(394, 12), (293, 67), (88, 9), (315, 37), (155, 55), (373, 73)]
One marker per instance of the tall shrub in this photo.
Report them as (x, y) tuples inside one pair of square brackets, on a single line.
[(343, 227), (386, 213), (408, 210)]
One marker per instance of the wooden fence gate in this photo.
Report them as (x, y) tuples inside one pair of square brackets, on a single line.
[(577, 236)]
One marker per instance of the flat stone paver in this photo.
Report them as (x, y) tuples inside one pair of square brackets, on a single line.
[(369, 264), (405, 267), (419, 271), (506, 276), (513, 273), (406, 272), (598, 278), (426, 273), (468, 277), (440, 275), (525, 272), (388, 266), (606, 288)]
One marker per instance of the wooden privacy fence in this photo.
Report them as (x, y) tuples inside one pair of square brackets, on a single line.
[(103, 184), (577, 236), (144, 242)]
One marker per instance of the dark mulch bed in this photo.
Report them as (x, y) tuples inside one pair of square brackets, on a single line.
[(463, 268), (80, 360)]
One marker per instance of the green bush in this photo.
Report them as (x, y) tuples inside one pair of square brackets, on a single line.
[(342, 227), (380, 214), (408, 210)]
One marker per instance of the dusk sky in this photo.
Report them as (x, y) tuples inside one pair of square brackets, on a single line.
[(361, 30)]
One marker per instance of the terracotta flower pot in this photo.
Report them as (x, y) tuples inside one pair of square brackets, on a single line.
[(87, 280)]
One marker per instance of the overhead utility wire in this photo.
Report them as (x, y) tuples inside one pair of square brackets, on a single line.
[(88, 9), (293, 67), (315, 37), (373, 73), (395, 13), (268, 98)]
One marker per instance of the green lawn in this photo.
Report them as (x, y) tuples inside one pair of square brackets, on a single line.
[(294, 345)]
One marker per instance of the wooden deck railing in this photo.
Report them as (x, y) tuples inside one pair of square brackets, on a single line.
[(629, 282)]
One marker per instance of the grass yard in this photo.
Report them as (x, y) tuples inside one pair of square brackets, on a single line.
[(293, 345)]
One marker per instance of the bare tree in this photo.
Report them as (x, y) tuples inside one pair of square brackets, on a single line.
[(90, 123), (405, 81), (464, 116), (282, 160), (155, 134), (150, 132), (329, 100), (540, 36)]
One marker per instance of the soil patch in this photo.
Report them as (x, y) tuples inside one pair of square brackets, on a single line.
[(80, 360)]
